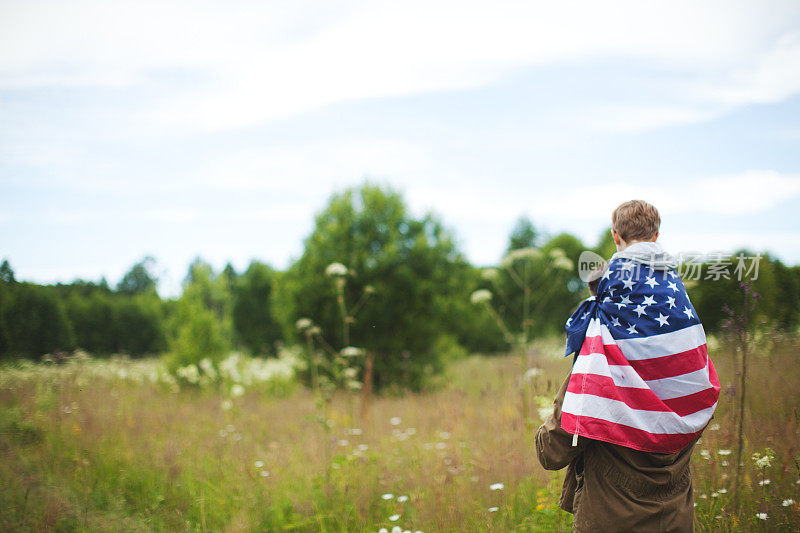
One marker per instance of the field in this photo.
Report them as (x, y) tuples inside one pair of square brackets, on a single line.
[(100, 446)]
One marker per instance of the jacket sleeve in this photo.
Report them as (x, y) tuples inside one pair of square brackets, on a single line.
[(553, 444)]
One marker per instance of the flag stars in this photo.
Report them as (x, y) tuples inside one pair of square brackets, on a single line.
[(672, 274), (670, 301), (662, 320), (651, 280), (584, 315), (608, 273), (640, 310), (625, 300), (606, 299), (628, 283), (688, 312), (649, 300), (632, 329), (615, 322), (672, 285)]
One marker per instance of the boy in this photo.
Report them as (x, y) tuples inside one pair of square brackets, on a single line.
[(640, 393)]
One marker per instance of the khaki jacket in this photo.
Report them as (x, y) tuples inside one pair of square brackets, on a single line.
[(612, 488)]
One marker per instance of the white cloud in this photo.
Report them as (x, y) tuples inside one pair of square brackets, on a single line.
[(249, 63), (771, 77)]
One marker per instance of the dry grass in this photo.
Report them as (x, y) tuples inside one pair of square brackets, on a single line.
[(138, 457)]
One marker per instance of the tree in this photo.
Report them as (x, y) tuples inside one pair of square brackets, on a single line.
[(409, 264), (523, 235), (6, 273), (253, 321), (35, 321), (140, 278)]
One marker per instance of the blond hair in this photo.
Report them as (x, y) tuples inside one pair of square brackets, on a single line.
[(636, 220)]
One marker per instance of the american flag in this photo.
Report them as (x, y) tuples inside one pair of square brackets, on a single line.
[(642, 377)]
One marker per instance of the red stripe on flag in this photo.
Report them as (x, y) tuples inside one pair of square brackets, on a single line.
[(598, 429)]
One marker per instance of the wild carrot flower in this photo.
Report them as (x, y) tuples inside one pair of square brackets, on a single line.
[(387, 496), (394, 517), (480, 296), (724, 452), (404, 498), (259, 464), (787, 503), (493, 509), (764, 482), (762, 516), (496, 486), (395, 420), (336, 270)]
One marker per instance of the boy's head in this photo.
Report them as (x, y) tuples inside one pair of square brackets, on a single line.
[(634, 221)]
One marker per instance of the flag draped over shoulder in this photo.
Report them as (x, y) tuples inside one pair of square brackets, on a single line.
[(642, 377)]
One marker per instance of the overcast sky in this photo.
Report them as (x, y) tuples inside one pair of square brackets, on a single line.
[(219, 129)]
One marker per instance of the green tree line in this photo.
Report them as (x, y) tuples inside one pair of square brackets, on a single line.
[(405, 292)]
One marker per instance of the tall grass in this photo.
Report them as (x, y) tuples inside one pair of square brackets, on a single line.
[(112, 454)]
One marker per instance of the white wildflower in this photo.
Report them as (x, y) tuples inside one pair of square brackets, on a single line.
[(344, 442), (722, 491), (704, 454), (383, 530), (713, 427), (303, 323), (762, 516), (441, 445), (787, 503), (489, 273), (411, 431), (387, 496), (444, 435), (402, 499), (764, 482), (724, 452), (259, 464), (394, 517), (480, 296), (351, 351), (395, 420), (496, 486), (493, 509), (363, 447), (355, 431), (336, 270), (396, 529), (237, 390), (264, 473)]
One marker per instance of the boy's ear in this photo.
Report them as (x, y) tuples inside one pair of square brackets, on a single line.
[(655, 237), (615, 236)]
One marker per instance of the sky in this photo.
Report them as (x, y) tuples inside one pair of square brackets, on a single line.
[(220, 129)]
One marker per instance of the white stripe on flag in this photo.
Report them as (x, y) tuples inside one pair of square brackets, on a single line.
[(618, 412), (626, 376), (596, 363), (659, 345), (683, 385)]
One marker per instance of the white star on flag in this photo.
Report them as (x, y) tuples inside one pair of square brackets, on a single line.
[(640, 310), (649, 300), (651, 280), (615, 321), (672, 286), (632, 329), (662, 320), (628, 283), (670, 301), (688, 312)]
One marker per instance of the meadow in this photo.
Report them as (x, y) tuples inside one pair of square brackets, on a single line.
[(108, 445)]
